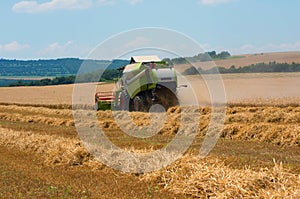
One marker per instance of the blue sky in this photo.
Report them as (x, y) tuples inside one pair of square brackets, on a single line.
[(72, 28)]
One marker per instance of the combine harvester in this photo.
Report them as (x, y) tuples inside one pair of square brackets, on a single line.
[(146, 81)]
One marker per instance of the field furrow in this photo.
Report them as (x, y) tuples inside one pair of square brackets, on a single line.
[(277, 125)]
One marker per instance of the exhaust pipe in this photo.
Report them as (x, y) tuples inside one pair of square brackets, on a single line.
[(182, 86)]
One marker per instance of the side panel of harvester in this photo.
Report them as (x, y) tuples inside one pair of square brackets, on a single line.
[(137, 78)]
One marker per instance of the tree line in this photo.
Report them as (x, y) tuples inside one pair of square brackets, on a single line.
[(107, 76), (271, 67), (113, 74), (54, 67), (96, 67), (201, 57)]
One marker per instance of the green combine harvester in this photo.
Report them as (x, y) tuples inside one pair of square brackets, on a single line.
[(146, 81)]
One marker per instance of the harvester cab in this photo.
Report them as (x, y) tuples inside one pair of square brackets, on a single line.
[(146, 81)]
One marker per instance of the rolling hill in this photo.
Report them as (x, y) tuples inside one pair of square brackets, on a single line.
[(246, 60), (54, 67)]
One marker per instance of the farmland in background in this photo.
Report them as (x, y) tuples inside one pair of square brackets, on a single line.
[(261, 88), (246, 60)]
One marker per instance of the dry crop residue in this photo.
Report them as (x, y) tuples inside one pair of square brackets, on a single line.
[(209, 177)]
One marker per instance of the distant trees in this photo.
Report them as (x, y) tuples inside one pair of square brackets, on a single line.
[(63, 70), (54, 67), (271, 67), (201, 57), (223, 55), (45, 82), (192, 71), (107, 75), (212, 53)]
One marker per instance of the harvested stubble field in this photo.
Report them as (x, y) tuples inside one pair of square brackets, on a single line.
[(257, 155), (262, 89)]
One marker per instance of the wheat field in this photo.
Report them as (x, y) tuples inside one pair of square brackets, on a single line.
[(49, 133), (256, 156)]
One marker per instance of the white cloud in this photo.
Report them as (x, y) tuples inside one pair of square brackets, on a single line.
[(57, 49), (214, 2), (106, 2), (133, 2), (68, 49), (137, 42), (282, 46), (13, 47), (35, 7), (247, 47), (250, 48)]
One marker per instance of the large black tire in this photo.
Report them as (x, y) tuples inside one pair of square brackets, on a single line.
[(124, 101), (167, 97)]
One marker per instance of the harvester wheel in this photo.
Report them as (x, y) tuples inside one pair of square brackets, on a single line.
[(124, 101), (138, 104), (167, 97)]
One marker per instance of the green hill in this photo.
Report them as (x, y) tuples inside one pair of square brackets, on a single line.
[(54, 67)]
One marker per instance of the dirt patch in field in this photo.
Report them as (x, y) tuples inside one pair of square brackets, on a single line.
[(24, 175)]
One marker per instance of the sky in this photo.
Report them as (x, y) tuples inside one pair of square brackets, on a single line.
[(45, 29)]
